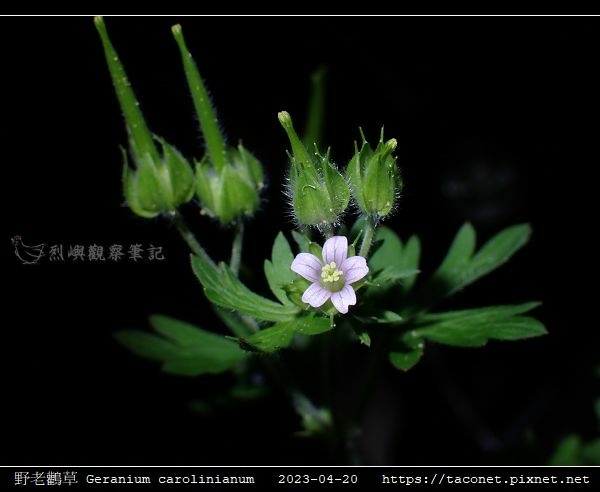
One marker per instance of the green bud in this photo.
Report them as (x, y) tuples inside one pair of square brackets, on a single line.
[(160, 181), (161, 186), (319, 193), (374, 177), (232, 192)]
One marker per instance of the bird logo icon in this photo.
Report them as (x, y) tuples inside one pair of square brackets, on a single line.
[(29, 255)]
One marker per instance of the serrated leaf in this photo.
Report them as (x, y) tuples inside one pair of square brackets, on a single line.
[(224, 289), (459, 336), (392, 262), (476, 330), (280, 335), (393, 274), (183, 348), (451, 271), (461, 268), (273, 338), (278, 271), (482, 315), (495, 253), (146, 345), (311, 325)]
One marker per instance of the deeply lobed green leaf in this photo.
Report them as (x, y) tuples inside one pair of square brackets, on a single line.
[(224, 289), (183, 349), (278, 271), (281, 335)]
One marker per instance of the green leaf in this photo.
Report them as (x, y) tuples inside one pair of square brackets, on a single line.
[(407, 351), (273, 338), (183, 349), (301, 240), (495, 253), (405, 360), (385, 317), (311, 325), (315, 420), (410, 261), (280, 335), (567, 452), (591, 453), (224, 289), (389, 254), (482, 315), (452, 269), (278, 271), (392, 262), (392, 274), (146, 345), (461, 268), (474, 331), (365, 338)]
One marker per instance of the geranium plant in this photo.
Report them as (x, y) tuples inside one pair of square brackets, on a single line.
[(339, 270)]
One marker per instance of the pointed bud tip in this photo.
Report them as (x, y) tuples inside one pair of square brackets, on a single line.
[(284, 118), (99, 23), (392, 143)]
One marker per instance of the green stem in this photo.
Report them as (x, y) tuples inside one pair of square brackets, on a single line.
[(190, 239), (368, 234), (236, 248), (368, 384), (215, 143), (327, 230), (313, 133)]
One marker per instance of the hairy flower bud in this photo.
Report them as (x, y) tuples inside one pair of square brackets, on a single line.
[(374, 177), (319, 193), (160, 186), (231, 192)]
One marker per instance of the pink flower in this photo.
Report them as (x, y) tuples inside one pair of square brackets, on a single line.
[(332, 277)]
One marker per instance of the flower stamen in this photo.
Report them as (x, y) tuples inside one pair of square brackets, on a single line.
[(332, 278)]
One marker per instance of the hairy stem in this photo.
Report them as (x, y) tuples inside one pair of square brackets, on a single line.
[(190, 239), (236, 249), (368, 235)]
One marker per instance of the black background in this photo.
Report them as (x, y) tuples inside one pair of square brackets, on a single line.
[(504, 109)]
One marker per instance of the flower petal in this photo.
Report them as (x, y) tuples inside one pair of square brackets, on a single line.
[(308, 266), (344, 298), (316, 295), (335, 249), (354, 268)]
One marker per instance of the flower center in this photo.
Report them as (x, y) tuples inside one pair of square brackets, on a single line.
[(332, 278)]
